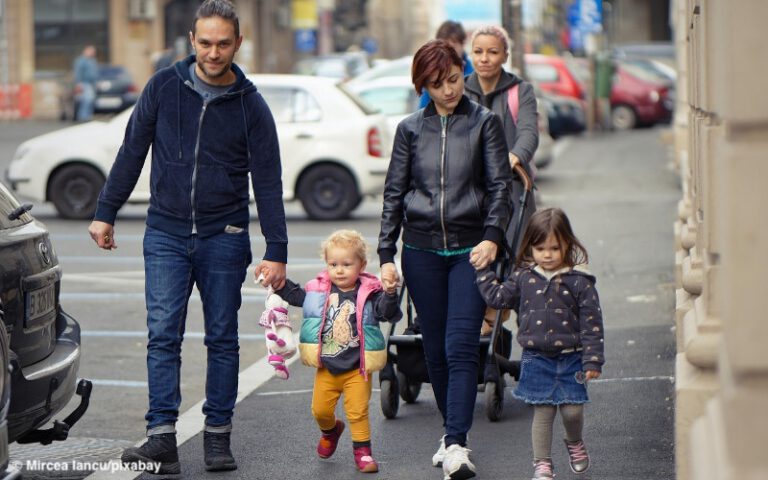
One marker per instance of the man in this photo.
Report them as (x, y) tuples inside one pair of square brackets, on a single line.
[(208, 128), (86, 72), (453, 33)]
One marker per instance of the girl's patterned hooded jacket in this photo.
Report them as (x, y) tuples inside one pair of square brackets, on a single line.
[(556, 314)]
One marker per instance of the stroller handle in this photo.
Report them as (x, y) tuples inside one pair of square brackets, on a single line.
[(527, 182)]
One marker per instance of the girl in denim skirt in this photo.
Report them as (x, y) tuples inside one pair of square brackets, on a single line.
[(560, 330)]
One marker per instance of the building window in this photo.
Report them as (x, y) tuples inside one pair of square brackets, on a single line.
[(64, 27)]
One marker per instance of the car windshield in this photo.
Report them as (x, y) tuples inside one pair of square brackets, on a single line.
[(110, 71), (390, 100), (367, 109), (8, 204), (643, 71)]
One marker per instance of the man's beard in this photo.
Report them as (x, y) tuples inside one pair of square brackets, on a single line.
[(225, 68)]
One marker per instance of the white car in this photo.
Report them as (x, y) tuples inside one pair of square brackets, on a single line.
[(395, 97), (334, 150)]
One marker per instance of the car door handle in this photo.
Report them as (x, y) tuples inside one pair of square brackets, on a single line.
[(304, 135)]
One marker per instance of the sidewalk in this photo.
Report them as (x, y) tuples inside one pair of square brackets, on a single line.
[(621, 196)]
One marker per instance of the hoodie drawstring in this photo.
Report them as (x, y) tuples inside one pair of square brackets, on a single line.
[(245, 124)]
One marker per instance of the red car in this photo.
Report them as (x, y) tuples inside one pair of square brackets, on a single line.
[(553, 75), (639, 96)]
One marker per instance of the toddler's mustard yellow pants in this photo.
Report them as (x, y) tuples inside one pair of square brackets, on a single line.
[(357, 395)]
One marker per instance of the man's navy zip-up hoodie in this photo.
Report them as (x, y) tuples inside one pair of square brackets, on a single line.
[(201, 156)]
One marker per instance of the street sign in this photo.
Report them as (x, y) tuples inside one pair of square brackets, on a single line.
[(305, 40), (590, 16)]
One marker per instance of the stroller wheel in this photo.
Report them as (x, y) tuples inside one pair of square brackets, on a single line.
[(494, 400), (389, 400), (409, 390)]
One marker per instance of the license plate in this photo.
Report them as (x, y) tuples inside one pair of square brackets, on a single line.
[(41, 302), (108, 102)]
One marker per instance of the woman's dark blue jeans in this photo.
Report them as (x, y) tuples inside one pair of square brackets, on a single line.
[(450, 311)]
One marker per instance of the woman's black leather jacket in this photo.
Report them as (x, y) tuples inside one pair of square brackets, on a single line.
[(448, 182)]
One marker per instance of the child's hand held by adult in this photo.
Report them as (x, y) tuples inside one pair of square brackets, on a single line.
[(483, 254)]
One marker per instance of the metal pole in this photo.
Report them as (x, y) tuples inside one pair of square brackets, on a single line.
[(517, 36), (4, 64), (5, 99)]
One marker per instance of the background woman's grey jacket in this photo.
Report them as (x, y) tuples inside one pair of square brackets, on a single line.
[(523, 138), (446, 186)]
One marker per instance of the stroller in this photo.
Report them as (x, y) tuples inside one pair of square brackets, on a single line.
[(406, 369)]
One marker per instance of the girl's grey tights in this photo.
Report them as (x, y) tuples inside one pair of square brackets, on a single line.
[(541, 430)]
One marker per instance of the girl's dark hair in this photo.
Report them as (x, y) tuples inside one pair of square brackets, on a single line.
[(541, 224), (218, 8), (435, 56)]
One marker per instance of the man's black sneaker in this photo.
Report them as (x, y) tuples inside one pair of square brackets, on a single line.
[(158, 455), (218, 456)]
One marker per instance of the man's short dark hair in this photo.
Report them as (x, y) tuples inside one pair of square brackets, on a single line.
[(450, 30), (218, 8)]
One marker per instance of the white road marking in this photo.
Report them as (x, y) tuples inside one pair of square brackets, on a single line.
[(642, 299), (143, 334), (192, 421), (118, 383)]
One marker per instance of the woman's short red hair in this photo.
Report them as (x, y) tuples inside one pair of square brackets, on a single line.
[(435, 56)]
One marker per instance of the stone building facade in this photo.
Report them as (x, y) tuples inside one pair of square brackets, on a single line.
[(721, 150)]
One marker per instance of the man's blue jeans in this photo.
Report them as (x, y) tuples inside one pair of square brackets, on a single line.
[(173, 264), (450, 311)]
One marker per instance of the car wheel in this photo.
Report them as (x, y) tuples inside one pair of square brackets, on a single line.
[(74, 191), (623, 117), (328, 192)]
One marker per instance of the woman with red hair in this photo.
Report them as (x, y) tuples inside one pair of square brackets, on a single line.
[(447, 190)]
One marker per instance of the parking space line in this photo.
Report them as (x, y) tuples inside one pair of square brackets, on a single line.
[(118, 383), (143, 334)]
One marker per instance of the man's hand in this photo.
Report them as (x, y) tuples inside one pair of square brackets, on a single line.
[(591, 375), (274, 273), (103, 234), (513, 160), (389, 277), (483, 254)]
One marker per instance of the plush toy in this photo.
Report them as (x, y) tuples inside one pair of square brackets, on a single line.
[(279, 334)]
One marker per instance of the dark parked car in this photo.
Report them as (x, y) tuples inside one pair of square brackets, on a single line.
[(566, 115), (42, 341), (115, 91)]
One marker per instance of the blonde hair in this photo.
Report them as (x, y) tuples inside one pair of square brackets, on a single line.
[(348, 239), (493, 31)]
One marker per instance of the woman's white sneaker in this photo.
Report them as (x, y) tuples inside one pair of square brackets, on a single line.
[(437, 458), (456, 464)]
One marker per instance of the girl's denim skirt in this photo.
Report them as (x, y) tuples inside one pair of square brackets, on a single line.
[(551, 380)]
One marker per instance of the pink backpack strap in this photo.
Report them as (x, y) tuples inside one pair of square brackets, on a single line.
[(513, 101)]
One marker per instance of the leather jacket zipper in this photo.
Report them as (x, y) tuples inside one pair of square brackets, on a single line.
[(194, 168), (443, 139)]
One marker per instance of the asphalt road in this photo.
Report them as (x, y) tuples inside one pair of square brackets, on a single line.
[(621, 196)]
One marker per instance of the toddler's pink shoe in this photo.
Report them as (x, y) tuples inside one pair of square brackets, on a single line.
[(364, 460), (329, 441)]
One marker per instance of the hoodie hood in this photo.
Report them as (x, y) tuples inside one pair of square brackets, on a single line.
[(241, 86), (506, 80)]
